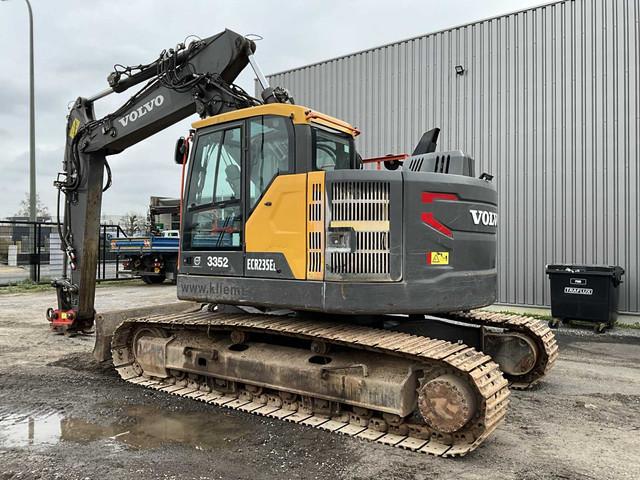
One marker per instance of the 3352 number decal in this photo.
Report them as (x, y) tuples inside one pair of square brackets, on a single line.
[(217, 262)]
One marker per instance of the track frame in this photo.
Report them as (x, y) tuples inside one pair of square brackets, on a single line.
[(475, 367)]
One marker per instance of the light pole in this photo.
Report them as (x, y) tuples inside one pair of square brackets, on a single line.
[(32, 124), (33, 214)]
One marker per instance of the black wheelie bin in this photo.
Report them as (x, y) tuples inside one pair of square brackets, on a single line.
[(586, 293)]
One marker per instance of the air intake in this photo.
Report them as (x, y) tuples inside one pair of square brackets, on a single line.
[(454, 162)]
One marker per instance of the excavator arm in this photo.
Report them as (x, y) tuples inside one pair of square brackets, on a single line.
[(193, 78)]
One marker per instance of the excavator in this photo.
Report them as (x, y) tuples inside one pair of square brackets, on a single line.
[(318, 291)]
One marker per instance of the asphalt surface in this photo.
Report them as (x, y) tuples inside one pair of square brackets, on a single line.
[(62, 415)]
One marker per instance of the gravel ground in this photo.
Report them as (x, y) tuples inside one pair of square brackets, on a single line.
[(64, 416)]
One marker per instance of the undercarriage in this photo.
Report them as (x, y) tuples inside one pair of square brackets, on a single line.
[(405, 390)]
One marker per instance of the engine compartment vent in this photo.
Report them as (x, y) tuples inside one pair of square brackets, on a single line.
[(315, 226), (415, 164), (359, 231), (454, 162)]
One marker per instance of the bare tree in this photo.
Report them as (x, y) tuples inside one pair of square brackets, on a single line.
[(134, 224), (42, 211)]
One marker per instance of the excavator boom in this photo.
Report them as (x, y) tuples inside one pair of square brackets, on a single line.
[(193, 78)]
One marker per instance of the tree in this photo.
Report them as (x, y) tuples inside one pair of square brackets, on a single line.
[(42, 211), (134, 224)]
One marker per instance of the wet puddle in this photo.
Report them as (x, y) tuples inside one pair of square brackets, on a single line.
[(18, 431), (137, 427)]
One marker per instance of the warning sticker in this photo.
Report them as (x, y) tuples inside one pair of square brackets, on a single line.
[(73, 129), (438, 258)]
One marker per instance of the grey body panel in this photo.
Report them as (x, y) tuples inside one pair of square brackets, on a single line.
[(442, 294), (472, 248)]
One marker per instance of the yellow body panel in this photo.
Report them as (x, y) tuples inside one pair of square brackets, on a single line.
[(279, 222), (315, 225), (297, 113)]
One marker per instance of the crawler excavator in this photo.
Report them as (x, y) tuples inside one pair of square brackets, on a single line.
[(331, 295)]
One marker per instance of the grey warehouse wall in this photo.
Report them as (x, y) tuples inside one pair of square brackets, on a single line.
[(548, 103)]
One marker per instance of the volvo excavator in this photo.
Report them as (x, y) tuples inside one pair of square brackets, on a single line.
[(327, 294)]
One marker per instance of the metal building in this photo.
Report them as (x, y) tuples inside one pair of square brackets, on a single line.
[(548, 101)]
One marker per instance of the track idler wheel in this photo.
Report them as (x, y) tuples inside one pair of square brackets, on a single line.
[(446, 403), (516, 353)]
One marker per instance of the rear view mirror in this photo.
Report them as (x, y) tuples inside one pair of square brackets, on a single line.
[(182, 151)]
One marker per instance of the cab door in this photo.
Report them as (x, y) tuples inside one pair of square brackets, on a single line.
[(213, 226), (275, 241)]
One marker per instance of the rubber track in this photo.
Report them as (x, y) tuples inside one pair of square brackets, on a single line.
[(491, 387), (535, 329)]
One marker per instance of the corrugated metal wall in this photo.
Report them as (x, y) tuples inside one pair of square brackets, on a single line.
[(548, 103)]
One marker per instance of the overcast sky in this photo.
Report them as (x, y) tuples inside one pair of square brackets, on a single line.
[(78, 42)]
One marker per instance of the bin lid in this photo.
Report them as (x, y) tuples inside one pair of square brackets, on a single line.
[(606, 270)]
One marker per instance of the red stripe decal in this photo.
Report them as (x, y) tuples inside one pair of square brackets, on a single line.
[(427, 217), (430, 197)]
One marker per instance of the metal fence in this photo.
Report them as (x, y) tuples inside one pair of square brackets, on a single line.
[(30, 251)]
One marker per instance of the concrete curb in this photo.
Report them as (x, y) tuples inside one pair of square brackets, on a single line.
[(623, 318), (616, 335)]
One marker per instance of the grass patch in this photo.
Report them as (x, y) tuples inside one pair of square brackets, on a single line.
[(631, 326), (537, 316), (27, 286), (134, 282)]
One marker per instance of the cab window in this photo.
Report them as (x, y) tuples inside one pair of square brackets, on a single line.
[(213, 217), (332, 151), (269, 151)]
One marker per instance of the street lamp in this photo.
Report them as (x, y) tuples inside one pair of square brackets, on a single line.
[(32, 124)]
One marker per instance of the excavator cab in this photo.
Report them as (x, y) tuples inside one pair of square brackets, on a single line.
[(278, 214)]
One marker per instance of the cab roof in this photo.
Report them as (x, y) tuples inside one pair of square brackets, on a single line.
[(297, 113)]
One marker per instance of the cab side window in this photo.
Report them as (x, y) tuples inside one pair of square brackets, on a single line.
[(332, 151), (269, 150)]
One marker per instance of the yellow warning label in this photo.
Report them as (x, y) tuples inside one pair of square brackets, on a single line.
[(438, 258), (73, 129)]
